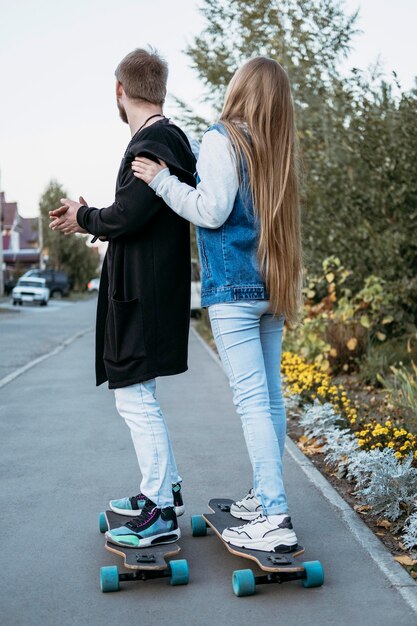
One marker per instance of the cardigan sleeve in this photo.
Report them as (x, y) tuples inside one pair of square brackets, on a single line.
[(134, 206)]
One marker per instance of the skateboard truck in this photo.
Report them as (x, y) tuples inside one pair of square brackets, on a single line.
[(278, 577)]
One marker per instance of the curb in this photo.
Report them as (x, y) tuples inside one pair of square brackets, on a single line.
[(395, 573)]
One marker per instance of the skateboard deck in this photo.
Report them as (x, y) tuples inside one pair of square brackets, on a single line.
[(142, 563), (279, 566)]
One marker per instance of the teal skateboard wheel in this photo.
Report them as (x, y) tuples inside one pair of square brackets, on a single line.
[(109, 578), (179, 572), (314, 574), (198, 526), (243, 582), (102, 523)]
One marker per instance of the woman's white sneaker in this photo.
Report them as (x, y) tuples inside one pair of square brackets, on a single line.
[(248, 508), (272, 533)]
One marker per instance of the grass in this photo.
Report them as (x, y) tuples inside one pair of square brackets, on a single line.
[(380, 357), (76, 296)]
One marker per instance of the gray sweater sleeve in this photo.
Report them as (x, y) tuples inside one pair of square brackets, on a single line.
[(210, 204)]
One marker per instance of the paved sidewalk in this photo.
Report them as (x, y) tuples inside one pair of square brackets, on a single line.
[(64, 452)]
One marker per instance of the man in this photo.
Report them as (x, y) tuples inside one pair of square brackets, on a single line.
[(144, 297)]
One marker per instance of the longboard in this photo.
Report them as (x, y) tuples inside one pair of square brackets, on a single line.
[(142, 563), (280, 566)]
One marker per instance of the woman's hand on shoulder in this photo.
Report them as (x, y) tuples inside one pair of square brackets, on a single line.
[(146, 170)]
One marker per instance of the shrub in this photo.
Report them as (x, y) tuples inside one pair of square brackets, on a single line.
[(339, 326), (402, 388), (388, 485), (317, 419), (409, 537)]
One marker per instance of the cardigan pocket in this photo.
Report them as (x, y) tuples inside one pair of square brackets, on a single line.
[(124, 331)]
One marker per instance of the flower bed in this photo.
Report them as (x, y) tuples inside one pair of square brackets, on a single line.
[(307, 381), (379, 458)]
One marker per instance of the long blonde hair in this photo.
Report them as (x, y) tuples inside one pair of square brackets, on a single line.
[(259, 96)]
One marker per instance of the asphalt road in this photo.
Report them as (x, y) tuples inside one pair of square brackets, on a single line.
[(64, 452), (29, 331)]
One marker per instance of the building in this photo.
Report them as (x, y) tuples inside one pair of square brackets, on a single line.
[(20, 238)]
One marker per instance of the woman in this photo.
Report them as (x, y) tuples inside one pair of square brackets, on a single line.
[(246, 209)]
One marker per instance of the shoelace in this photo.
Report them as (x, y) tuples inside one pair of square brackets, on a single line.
[(142, 519)]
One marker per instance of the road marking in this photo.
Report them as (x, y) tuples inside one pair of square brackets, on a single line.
[(21, 370), (381, 556)]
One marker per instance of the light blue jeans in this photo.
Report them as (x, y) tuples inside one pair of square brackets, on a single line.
[(249, 341), (138, 405)]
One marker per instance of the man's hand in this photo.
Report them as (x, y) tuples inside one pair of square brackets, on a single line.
[(146, 170), (64, 218)]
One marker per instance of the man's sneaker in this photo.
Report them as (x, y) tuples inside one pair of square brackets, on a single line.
[(248, 509), (272, 533), (153, 526), (133, 506)]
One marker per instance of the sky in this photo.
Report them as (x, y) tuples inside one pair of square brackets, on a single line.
[(58, 118)]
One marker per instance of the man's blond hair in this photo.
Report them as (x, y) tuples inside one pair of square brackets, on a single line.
[(143, 75)]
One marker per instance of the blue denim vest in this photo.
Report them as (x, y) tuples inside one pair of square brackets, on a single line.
[(228, 255)]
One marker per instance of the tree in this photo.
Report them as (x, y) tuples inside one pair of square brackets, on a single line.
[(68, 253)]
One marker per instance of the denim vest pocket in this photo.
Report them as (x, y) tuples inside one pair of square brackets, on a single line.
[(124, 331)]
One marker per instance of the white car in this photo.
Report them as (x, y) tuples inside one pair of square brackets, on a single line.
[(93, 285), (31, 289)]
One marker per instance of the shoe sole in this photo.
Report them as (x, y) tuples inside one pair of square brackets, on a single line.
[(287, 542), (179, 510), (126, 512), (171, 537)]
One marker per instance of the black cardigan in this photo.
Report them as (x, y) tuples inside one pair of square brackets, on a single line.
[(143, 310)]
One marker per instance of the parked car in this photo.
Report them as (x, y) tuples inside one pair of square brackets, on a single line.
[(32, 289), (93, 285), (9, 284), (56, 280), (195, 289)]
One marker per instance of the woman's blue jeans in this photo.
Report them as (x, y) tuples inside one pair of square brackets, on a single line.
[(249, 341)]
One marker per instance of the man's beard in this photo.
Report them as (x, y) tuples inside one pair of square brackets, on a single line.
[(122, 111)]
